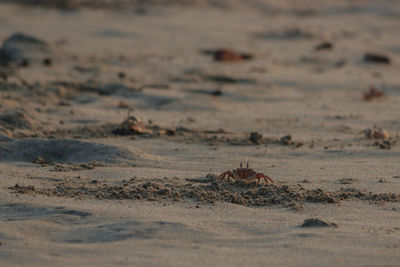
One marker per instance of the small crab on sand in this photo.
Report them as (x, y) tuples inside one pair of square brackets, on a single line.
[(245, 174), (375, 133)]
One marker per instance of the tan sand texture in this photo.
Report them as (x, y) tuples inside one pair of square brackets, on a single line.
[(118, 116)]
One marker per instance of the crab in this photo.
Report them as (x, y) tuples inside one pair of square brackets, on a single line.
[(245, 174), (375, 133)]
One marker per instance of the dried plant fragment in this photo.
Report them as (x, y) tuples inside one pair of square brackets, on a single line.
[(377, 58), (226, 55)]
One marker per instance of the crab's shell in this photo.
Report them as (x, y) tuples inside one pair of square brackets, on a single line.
[(244, 173)]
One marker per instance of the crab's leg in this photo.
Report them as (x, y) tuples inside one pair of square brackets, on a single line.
[(265, 177), (230, 175), (258, 180), (222, 175)]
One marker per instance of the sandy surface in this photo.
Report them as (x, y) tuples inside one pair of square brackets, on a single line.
[(116, 117)]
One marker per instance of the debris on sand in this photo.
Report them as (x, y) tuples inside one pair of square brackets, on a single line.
[(314, 222), (375, 133), (228, 79), (324, 46), (121, 75), (215, 92), (226, 55), (385, 144), (384, 140), (40, 161), (132, 125), (103, 89), (124, 105), (47, 62), (377, 58), (372, 94), (20, 189), (287, 141), (81, 166), (256, 138)]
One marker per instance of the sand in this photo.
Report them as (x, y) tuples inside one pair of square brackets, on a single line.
[(116, 118)]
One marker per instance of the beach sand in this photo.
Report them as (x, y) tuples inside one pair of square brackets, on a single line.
[(116, 118)]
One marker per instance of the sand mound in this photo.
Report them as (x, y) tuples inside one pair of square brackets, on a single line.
[(208, 191), (18, 123), (19, 47), (16, 118), (63, 151)]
